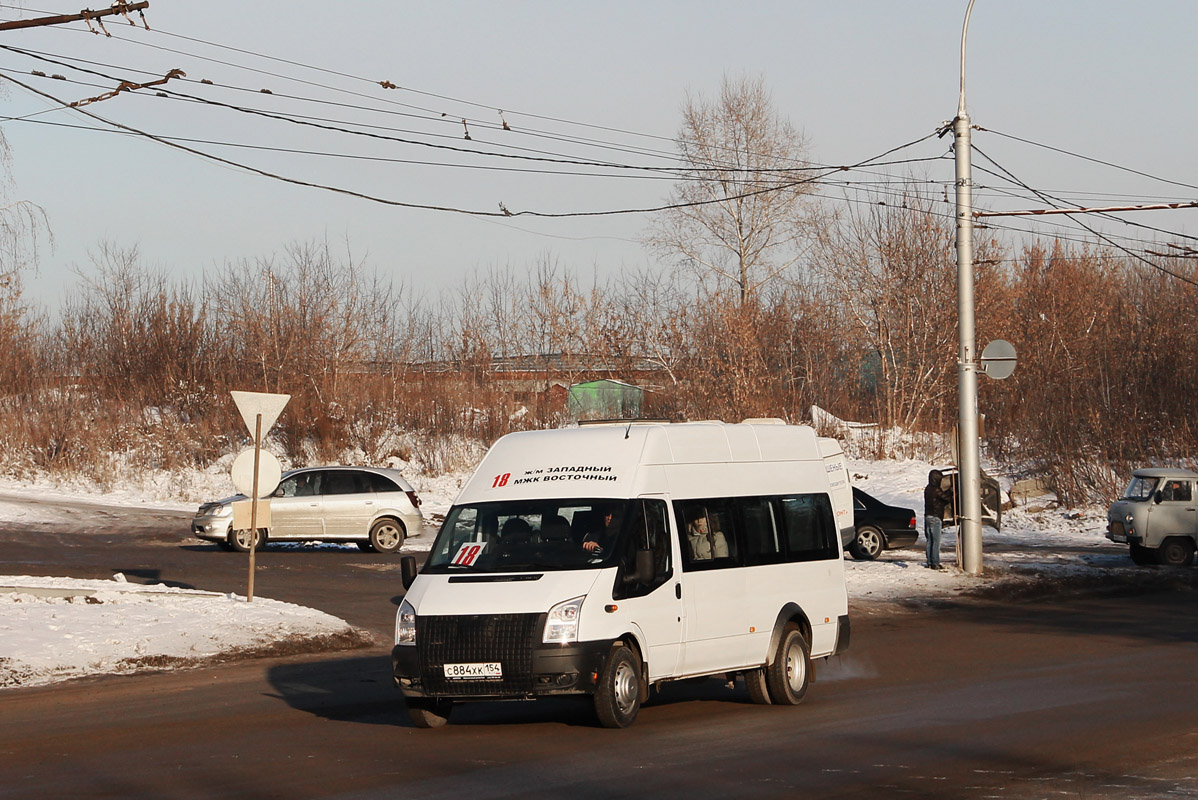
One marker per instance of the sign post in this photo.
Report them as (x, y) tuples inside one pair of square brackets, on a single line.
[(263, 409)]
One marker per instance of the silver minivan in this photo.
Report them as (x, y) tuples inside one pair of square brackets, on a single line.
[(1157, 516), (375, 508)]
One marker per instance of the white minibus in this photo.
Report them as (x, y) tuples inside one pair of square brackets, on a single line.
[(606, 560)]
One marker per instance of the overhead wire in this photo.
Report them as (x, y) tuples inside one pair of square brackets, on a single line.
[(503, 210), (484, 124), (1103, 237)]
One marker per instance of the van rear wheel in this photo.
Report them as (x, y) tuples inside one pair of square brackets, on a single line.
[(618, 696), (386, 535), (787, 677)]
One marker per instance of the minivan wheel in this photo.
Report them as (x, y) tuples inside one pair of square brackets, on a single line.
[(1175, 552), (386, 535), (240, 540), (426, 712), (868, 544), (790, 672), (618, 696)]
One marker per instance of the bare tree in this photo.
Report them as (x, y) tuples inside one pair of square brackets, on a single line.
[(739, 215), (891, 267)]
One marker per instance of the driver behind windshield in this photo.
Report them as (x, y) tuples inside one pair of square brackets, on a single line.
[(600, 539)]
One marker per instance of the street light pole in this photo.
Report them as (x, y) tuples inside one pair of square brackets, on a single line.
[(969, 530)]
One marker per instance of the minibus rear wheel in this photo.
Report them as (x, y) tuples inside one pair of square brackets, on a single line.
[(787, 677), (618, 696), (427, 712), (755, 682)]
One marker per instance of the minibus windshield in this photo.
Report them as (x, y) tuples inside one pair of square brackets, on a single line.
[(520, 535)]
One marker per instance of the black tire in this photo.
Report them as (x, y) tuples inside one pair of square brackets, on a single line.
[(755, 682), (386, 535), (790, 673), (426, 712), (868, 544), (1141, 555), (223, 544), (240, 540), (618, 696), (1175, 552)]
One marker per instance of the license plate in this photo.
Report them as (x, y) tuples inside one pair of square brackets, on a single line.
[(484, 671)]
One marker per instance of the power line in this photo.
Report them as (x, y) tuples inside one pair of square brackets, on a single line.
[(1103, 237), (503, 210), (1088, 158)]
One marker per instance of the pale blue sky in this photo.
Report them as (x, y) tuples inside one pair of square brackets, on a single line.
[(1105, 79)]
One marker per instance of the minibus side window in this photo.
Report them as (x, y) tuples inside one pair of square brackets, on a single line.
[(648, 529), (809, 527), (705, 533), (763, 541)]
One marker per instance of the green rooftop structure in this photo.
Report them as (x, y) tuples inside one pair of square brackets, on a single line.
[(605, 399)]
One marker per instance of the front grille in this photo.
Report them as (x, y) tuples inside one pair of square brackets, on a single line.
[(472, 638), (1117, 529)]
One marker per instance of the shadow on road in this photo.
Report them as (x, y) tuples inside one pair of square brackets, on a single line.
[(359, 689)]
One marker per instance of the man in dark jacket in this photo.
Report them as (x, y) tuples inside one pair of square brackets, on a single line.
[(935, 499)]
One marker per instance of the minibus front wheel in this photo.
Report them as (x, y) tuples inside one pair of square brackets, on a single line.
[(427, 712), (618, 695)]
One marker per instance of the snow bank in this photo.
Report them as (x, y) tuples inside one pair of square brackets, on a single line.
[(52, 629)]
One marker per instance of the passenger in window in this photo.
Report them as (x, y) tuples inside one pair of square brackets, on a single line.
[(704, 542), (598, 541)]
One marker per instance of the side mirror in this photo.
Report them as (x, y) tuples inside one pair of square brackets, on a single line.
[(277, 492), (407, 571), (1156, 496), (646, 570)]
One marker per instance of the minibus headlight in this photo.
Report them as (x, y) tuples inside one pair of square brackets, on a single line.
[(562, 625), (405, 624)]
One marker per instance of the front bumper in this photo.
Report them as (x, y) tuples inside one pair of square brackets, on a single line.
[(1116, 532), (555, 669), (214, 529)]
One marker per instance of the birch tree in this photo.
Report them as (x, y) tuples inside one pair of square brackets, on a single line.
[(738, 221)]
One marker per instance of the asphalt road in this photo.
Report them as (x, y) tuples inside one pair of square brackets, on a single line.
[(1060, 695)]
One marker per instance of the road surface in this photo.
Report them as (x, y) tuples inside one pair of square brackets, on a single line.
[(1061, 695)]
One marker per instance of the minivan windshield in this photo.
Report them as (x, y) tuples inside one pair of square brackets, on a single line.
[(1140, 489), (521, 535)]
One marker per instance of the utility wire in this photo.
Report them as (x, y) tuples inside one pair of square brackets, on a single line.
[(1088, 158), (1094, 232), (1059, 202), (503, 212)]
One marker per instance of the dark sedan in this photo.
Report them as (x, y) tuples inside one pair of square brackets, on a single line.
[(879, 526)]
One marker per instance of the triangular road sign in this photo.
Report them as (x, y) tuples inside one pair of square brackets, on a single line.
[(251, 404)]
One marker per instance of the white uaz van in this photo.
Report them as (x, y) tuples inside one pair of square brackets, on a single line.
[(608, 559), (1156, 516)]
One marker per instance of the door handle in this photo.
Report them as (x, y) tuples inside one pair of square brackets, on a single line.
[(678, 590)]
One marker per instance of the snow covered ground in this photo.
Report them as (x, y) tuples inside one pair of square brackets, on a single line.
[(58, 628)]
